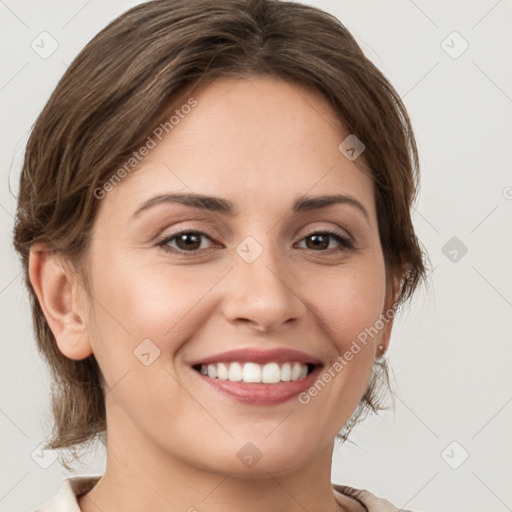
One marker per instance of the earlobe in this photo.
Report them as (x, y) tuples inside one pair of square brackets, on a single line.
[(59, 297)]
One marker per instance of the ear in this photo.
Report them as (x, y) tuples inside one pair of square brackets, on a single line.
[(394, 287), (62, 301)]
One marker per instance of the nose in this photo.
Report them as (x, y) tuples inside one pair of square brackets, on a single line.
[(262, 294)]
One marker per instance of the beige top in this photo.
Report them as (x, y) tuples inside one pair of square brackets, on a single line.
[(70, 489)]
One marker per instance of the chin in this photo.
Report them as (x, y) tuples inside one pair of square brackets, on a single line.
[(255, 460)]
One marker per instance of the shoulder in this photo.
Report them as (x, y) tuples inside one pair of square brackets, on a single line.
[(65, 500), (369, 501)]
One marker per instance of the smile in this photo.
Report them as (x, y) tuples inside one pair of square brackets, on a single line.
[(270, 373), (258, 377)]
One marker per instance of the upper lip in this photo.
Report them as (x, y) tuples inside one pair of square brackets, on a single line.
[(254, 355)]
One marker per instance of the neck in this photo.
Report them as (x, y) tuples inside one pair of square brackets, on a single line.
[(144, 478)]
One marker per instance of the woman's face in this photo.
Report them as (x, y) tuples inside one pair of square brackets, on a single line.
[(267, 275)]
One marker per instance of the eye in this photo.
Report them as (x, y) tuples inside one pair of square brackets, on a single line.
[(320, 240), (191, 242), (185, 242)]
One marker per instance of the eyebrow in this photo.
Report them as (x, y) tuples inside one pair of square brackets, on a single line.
[(224, 206)]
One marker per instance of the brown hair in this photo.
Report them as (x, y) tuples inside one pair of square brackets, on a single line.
[(118, 87)]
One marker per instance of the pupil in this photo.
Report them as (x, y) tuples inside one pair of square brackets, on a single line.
[(318, 238), (189, 240)]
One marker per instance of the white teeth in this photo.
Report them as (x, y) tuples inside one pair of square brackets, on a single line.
[(296, 371), (222, 371), (252, 372), (235, 372), (270, 373), (286, 372)]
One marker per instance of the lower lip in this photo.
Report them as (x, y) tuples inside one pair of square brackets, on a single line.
[(261, 394)]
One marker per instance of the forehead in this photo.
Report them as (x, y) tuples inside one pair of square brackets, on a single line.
[(259, 141)]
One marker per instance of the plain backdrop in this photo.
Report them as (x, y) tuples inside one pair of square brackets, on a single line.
[(447, 446)]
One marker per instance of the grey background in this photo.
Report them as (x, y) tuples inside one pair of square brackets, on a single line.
[(450, 351)]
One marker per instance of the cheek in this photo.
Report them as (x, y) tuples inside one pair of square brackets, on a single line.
[(151, 302), (161, 301), (348, 301)]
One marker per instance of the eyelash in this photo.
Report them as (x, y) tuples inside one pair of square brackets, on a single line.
[(163, 242)]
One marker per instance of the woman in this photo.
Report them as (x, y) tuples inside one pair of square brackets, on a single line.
[(214, 223)]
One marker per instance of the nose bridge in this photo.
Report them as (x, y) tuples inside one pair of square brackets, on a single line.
[(260, 263), (262, 291)]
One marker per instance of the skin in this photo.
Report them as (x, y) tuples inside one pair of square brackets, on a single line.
[(172, 441)]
